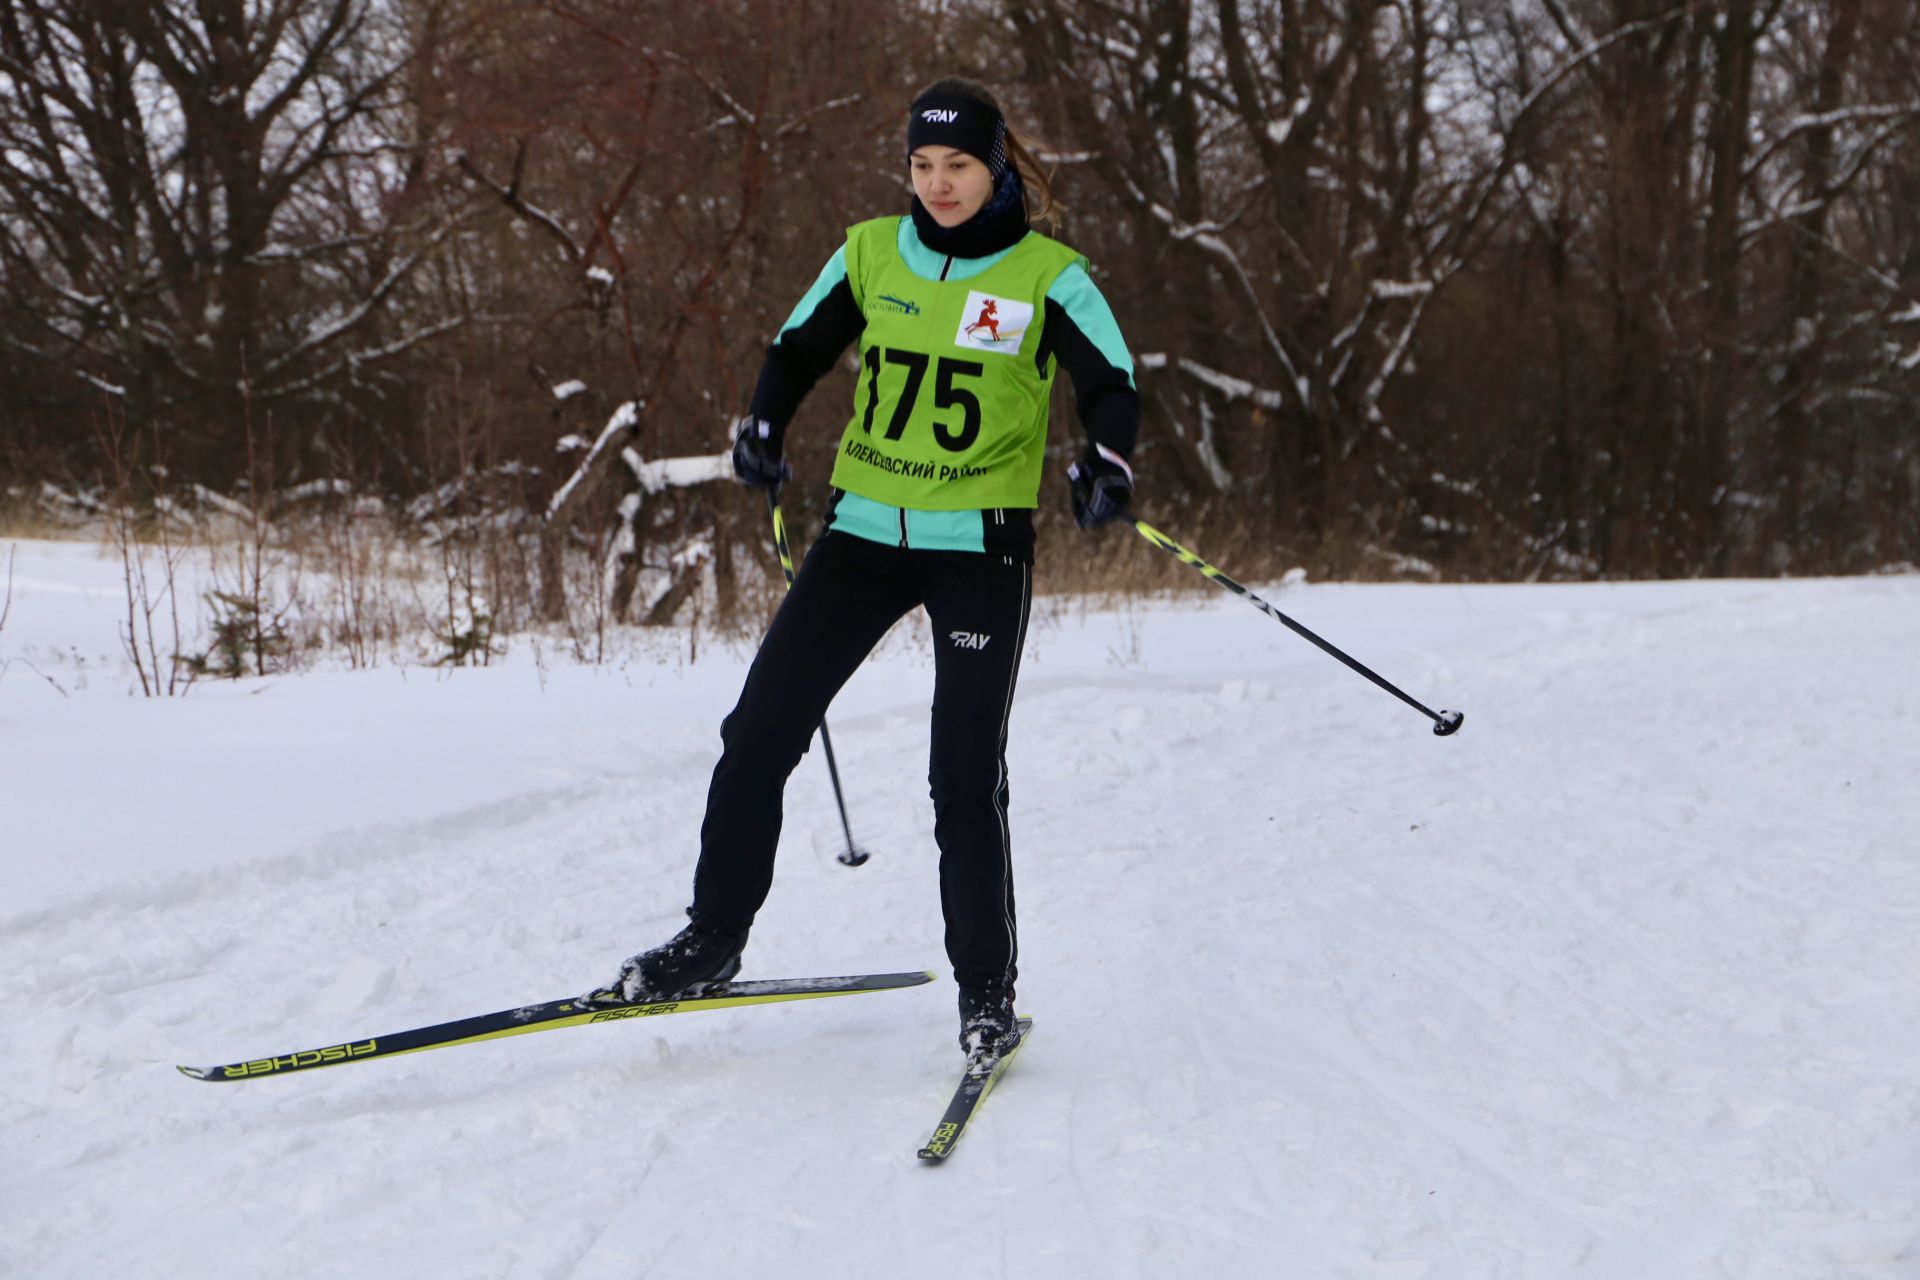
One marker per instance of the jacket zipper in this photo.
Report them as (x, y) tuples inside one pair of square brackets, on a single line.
[(903, 526), (947, 268)]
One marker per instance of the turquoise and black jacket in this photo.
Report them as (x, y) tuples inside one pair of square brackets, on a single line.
[(1078, 331)]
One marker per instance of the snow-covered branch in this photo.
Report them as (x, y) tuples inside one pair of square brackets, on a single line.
[(1225, 383), (356, 360), (1403, 290), (1207, 236), (654, 475), (366, 306), (623, 420), (509, 194), (1897, 112), (1395, 358), (801, 119)]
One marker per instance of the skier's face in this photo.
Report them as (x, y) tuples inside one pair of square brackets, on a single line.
[(952, 184)]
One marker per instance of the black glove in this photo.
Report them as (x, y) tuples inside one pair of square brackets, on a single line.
[(756, 453), (1100, 485)]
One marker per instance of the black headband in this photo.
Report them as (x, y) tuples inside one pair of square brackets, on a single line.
[(948, 120)]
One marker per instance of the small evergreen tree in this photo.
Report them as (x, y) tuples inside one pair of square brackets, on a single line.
[(242, 638)]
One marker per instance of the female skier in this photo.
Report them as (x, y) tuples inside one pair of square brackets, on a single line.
[(961, 312)]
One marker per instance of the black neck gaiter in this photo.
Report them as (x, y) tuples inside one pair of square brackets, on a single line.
[(1001, 222)]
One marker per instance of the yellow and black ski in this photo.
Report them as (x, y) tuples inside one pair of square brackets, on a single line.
[(975, 1085), (572, 1012)]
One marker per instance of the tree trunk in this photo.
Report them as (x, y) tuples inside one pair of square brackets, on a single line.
[(1806, 333)]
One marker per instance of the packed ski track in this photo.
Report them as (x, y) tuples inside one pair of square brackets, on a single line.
[(1619, 982)]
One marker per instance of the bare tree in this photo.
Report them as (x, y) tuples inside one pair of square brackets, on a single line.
[(1839, 139), (1299, 184), (1715, 158), (667, 163), (203, 203), (1500, 286)]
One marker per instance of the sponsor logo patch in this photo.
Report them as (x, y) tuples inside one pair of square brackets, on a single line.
[(969, 639), (993, 324)]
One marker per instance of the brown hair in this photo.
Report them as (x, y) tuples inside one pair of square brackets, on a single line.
[(1021, 149)]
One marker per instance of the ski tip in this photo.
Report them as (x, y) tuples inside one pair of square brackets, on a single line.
[(941, 1144), (888, 981), (905, 978), (196, 1073), (892, 981)]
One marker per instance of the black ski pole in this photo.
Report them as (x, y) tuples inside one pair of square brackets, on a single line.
[(854, 855), (1444, 722)]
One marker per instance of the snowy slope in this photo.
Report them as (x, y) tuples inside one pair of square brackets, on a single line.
[(1619, 982)]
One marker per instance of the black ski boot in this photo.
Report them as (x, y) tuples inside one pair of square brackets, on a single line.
[(986, 1022), (695, 959)]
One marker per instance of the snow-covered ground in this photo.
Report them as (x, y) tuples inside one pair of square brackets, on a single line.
[(1621, 981)]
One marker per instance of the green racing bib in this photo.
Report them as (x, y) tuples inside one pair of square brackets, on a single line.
[(950, 410)]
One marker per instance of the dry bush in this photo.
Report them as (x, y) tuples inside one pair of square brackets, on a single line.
[(30, 515)]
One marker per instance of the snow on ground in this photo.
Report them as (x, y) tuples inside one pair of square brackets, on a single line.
[(1621, 981)]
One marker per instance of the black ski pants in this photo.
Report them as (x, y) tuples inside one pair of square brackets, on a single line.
[(848, 592)]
